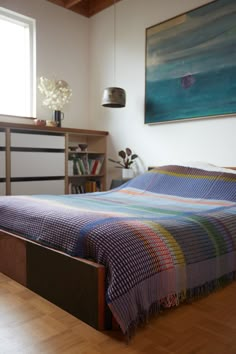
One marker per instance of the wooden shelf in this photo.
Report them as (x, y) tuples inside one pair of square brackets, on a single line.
[(86, 176), (85, 152), (81, 132)]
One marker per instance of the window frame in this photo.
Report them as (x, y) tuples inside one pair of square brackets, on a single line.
[(25, 21)]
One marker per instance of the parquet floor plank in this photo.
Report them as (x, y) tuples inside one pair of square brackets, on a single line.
[(30, 324)]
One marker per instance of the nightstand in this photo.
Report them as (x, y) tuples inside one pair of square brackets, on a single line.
[(118, 182)]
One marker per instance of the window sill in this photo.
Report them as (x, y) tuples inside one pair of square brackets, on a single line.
[(17, 117)]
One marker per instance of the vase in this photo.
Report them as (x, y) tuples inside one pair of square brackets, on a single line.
[(127, 173), (58, 116)]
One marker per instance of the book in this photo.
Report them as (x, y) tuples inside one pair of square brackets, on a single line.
[(70, 167), (81, 166), (93, 186), (99, 165), (87, 187), (94, 167), (84, 160), (75, 168)]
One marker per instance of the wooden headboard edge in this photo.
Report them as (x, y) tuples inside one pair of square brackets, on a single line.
[(227, 167)]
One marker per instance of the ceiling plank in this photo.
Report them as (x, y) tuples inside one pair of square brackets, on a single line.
[(71, 3)]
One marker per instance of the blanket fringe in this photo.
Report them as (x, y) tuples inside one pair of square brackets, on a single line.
[(172, 300)]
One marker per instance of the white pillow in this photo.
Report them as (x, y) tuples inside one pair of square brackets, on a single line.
[(207, 167)]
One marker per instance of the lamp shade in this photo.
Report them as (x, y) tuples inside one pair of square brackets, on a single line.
[(114, 97)]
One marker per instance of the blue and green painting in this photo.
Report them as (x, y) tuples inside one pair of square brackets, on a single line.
[(191, 65)]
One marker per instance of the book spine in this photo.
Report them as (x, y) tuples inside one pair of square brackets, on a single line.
[(94, 167), (85, 164), (70, 167), (81, 166)]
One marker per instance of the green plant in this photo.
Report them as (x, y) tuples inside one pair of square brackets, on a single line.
[(127, 158)]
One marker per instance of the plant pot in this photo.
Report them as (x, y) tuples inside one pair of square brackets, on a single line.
[(127, 173)]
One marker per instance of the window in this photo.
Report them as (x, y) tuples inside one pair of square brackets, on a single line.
[(17, 64)]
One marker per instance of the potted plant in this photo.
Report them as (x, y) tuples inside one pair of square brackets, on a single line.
[(126, 164)]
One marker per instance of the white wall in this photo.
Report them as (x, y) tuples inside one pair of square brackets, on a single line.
[(62, 53), (80, 51), (200, 140)]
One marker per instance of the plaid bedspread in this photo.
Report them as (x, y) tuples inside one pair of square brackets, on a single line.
[(165, 236)]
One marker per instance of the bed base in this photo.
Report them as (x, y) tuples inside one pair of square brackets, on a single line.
[(74, 284)]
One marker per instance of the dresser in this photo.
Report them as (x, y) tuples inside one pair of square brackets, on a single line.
[(36, 160), (2, 162)]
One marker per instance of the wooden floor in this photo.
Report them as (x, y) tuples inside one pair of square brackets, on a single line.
[(30, 324)]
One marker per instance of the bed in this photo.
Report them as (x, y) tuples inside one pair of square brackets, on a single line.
[(163, 238)]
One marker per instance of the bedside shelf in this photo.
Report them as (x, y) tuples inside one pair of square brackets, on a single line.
[(118, 182)]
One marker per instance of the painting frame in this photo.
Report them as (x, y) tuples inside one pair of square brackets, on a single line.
[(190, 65)]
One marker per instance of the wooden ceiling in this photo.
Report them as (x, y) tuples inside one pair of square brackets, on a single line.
[(86, 8)]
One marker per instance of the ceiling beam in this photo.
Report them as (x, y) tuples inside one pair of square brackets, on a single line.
[(86, 8), (71, 3), (58, 2), (96, 6)]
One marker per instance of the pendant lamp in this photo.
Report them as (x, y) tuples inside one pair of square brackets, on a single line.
[(114, 97)]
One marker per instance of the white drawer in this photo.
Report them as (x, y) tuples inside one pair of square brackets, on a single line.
[(2, 188), (38, 187), (37, 164), (2, 139), (2, 164), (38, 141)]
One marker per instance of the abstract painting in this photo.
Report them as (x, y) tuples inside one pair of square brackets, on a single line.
[(191, 65)]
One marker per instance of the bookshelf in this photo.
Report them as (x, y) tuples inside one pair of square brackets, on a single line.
[(86, 167)]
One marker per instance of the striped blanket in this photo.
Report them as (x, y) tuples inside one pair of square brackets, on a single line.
[(164, 237)]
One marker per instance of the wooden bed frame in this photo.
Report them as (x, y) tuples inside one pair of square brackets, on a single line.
[(74, 284)]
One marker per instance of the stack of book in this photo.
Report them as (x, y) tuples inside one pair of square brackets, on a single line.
[(90, 186), (95, 165), (85, 166), (87, 187)]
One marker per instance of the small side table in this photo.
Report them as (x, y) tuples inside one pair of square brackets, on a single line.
[(118, 182)]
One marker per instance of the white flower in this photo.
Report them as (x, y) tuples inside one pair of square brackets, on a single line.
[(57, 93)]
